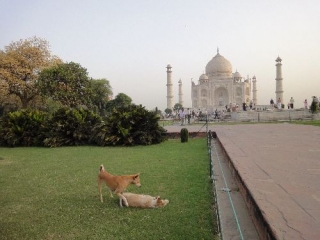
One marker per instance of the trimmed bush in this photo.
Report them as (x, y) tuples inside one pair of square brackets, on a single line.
[(70, 127), (314, 107), (184, 134), (22, 128), (128, 126)]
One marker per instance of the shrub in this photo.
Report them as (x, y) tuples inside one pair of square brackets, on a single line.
[(314, 107), (128, 126), (184, 134), (22, 128), (70, 127)]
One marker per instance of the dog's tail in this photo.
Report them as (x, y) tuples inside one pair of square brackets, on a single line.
[(101, 169)]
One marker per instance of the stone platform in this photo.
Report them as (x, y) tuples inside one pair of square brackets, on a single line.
[(277, 167)]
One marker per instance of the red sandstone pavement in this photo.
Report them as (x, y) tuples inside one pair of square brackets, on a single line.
[(280, 165)]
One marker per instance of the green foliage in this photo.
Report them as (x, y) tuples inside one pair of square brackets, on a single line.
[(177, 107), (67, 83), (22, 128), (101, 91), (121, 100), (168, 111), (70, 127), (184, 135), (128, 126)]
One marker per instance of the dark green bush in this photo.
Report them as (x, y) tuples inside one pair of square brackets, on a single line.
[(184, 134), (22, 128), (70, 127), (314, 107), (128, 126)]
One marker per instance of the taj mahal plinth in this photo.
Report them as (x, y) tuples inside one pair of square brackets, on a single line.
[(219, 86)]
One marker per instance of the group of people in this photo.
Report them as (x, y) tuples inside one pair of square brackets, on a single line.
[(280, 105), (290, 104), (185, 116)]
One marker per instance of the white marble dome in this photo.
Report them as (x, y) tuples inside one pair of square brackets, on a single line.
[(203, 77), (237, 75), (218, 64)]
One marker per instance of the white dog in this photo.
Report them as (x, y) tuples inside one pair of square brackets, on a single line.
[(144, 201)]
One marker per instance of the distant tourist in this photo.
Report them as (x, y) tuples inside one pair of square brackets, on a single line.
[(216, 114), (279, 103), (189, 116), (244, 106), (305, 104), (271, 103), (181, 114), (291, 102)]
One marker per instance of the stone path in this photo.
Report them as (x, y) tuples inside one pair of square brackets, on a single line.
[(280, 165)]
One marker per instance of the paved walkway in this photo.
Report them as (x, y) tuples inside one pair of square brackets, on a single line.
[(280, 165)]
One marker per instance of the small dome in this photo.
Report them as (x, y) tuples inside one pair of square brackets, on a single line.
[(169, 66), (237, 75), (203, 77), (218, 65), (278, 59)]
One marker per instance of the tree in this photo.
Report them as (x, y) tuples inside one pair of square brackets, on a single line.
[(121, 100), (177, 107), (101, 93), (20, 64), (168, 111), (67, 83)]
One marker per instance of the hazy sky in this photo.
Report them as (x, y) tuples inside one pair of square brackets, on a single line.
[(131, 42)]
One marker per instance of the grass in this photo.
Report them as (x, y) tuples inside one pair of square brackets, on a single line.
[(52, 193), (313, 122)]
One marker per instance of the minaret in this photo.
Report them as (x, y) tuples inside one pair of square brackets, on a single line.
[(169, 88), (180, 92), (254, 90), (279, 89)]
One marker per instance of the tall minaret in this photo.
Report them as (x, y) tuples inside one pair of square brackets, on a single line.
[(254, 90), (279, 89), (169, 88), (180, 92)]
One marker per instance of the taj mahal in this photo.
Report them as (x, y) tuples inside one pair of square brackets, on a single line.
[(219, 87)]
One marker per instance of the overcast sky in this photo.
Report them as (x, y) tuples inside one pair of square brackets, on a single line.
[(131, 42)]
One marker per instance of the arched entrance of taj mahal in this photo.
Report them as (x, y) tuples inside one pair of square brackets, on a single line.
[(221, 97)]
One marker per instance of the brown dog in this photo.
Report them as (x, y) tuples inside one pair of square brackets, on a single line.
[(144, 201), (117, 184)]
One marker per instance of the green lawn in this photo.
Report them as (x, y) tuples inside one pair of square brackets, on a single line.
[(52, 193)]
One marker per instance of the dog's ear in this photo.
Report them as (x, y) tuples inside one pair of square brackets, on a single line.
[(136, 176)]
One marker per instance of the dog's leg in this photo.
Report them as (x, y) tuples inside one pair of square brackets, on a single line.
[(111, 195), (122, 198), (100, 189)]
